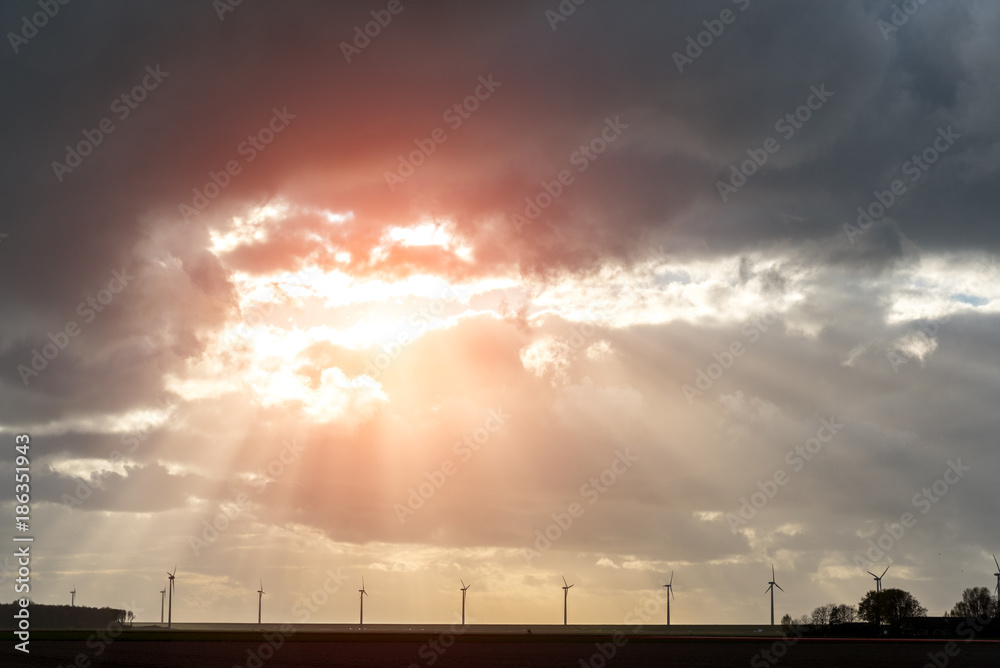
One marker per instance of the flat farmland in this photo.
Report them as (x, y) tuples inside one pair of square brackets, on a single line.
[(410, 650)]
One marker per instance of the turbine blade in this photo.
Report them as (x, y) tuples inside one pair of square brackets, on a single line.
[(778, 586), (996, 562), (564, 580), (885, 571), (872, 574), (772, 571), (671, 577)]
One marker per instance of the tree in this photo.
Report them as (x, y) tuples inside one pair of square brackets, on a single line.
[(843, 614), (976, 602), (831, 613), (889, 606), (821, 615), (786, 623)]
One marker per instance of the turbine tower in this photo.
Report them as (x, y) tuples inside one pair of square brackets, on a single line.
[(362, 595), (465, 588), (72, 597), (670, 592), (260, 597), (170, 598), (566, 588), (163, 600), (771, 585), (998, 584), (878, 578)]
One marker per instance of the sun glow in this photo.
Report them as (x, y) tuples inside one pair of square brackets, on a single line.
[(280, 317)]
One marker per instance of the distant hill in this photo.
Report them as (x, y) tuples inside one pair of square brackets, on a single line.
[(63, 616)]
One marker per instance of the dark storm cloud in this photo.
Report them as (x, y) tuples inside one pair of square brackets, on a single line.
[(352, 120)]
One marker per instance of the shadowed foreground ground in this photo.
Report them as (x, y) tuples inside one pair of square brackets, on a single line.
[(478, 649)]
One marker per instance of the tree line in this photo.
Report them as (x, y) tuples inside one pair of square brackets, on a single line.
[(889, 606), (68, 617)]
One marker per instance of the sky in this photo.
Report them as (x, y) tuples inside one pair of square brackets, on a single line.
[(501, 292)]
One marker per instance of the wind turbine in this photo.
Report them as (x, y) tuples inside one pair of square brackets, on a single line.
[(163, 596), (998, 584), (878, 578), (465, 587), (363, 593), (566, 588), (260, 597), (771, 585), (170, 598), (72, 599), (670, 592)]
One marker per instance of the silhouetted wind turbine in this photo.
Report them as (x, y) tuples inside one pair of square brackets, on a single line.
[(670, 592), (566, 588), (260, 597), (878, 578), (998, 584), (363, 593), (465, 587), (163, 597), (72, 599), (170, 598), (771, 585)]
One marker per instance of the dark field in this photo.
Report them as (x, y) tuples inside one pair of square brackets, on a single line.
[(192, 649)]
